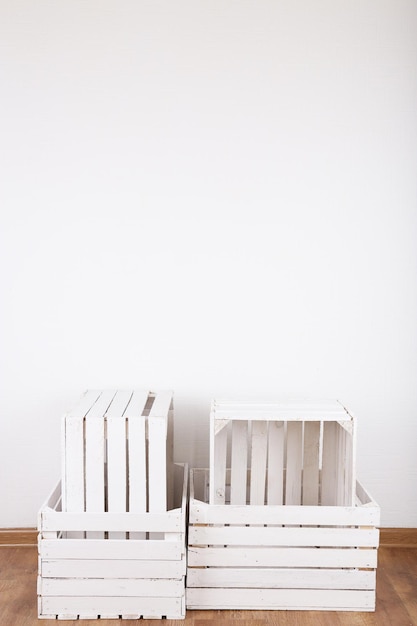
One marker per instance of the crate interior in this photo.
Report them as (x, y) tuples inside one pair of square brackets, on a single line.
[(258, 459)]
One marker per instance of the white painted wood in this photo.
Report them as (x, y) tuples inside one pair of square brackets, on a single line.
[(281, 557), (286, 578), (311, 463), (74, 469), (289, 599), (157, 450), (282, 411), (168, 588), (114, 568), (157, 433), (170, 522), (112, 607), (278, 536), (329, 475), (84, 404), (95, 457), (276, 440), (258, 462), (239, 462), (111, 549), (218, 466), (116, 468), (294, 463), (138, 481)]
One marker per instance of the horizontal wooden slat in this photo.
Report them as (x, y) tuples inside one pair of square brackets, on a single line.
[(280, 599), (280, 414), (294, 410), (281, 557), (114, 568), (112, 606), (110, 549), (111, 586), (278, 536), (286, 578), (158, 522), (202, 513)]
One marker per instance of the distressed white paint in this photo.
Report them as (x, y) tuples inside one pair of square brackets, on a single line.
[(132, 576), (306, 557)]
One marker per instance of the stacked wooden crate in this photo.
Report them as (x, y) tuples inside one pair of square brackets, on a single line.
[(279, 521), (112, 534)]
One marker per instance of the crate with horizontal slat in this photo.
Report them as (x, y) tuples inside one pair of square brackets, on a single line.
[(117, 452), (112, 535), (299, 452), (279, 520), (278, 556), (113, 564)]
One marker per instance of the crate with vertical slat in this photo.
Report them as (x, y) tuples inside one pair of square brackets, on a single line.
[(112, 535), (279, 520)]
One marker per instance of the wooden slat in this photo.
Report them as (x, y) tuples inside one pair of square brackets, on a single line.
[(117, 568), (239, 461), (116, 467), (258, 462), (277, 536), (311, 463), (276, 440), (286, 578), (111, 607), (307, 599), (138, 480), (157, 461), (281, 557), (85, 404), (74, 470), (281, 411), (329, 473), (294, 463), (218, 463), (161, 522), (110, 549), (157, 433), (111, 586)]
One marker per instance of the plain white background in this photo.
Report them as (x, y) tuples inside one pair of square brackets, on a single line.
[(217, 197)]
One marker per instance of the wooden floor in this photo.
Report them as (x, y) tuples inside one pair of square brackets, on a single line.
[(396, 598)]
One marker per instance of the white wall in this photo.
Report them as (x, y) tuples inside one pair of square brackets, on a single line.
[(212, 196)]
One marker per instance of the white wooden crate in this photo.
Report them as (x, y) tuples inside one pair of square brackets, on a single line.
[(113, 564), (279, 521), (117, 452), (299, 452), (302, 557)]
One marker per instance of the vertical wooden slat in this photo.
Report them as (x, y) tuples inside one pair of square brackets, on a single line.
[(218, 465), (157, 450), (74, 470), (95, 458), (157, 432), (311, 463), (329, 465), (258, 462), (116, 457), (239, 462), (294, 463), (138, 482), (276, 437), (73, 452)]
